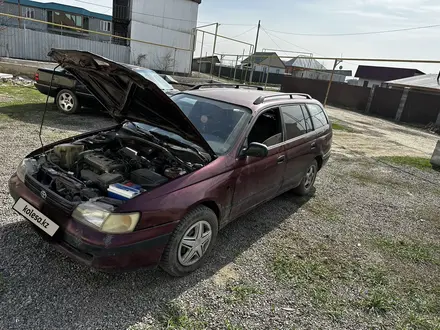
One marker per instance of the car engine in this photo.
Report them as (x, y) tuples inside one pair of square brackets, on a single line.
[(85, 169)]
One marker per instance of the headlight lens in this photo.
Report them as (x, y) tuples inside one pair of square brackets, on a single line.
[(100, 215), (27, 166)]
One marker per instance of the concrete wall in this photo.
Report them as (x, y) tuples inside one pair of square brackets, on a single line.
[(156, 27)]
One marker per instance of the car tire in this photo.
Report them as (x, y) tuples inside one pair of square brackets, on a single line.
[(307, 182), (189, 240), (67, 102)]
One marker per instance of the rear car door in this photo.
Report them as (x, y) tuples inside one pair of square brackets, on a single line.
[(321, 125), (260, 179), (300, 145)]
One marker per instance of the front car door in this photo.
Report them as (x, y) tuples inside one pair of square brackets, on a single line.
[(260, 179), (300, 146)]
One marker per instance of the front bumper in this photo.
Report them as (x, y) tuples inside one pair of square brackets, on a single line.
[(107, 252)]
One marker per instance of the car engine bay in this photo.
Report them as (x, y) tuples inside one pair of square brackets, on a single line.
[(96, 166)]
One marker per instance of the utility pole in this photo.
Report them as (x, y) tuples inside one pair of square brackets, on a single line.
[(213, 48), (19, 13), (255, 50), (330, 81)]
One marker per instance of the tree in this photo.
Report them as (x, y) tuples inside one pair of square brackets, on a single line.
[(165, 63)]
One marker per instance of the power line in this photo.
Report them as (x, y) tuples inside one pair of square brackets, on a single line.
[(170, 18), (357, 33), (311, 51), (270, 37), (239, 35)]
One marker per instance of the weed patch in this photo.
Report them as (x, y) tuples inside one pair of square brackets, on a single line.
[(340, 127), (417, 162), (415, 252), (175, 317)]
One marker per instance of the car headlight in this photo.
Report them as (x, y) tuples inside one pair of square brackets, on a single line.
[(100, 216), (27, 166)]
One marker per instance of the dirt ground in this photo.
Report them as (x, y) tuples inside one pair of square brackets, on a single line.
[(362, 252), (379, 137)]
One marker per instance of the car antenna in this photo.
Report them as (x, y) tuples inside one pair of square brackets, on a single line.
[(45, 107)]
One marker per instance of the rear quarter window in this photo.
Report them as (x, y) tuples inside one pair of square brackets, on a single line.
[(318, 116)]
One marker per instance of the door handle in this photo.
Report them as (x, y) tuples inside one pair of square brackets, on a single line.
[(281, 159), (313, 145)]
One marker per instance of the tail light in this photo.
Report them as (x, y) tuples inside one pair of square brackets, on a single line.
[(36, 76)]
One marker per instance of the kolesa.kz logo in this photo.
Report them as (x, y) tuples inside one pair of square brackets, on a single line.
[(36, 217)]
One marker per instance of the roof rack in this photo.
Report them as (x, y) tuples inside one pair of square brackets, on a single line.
[(261, 99), (236, 86)]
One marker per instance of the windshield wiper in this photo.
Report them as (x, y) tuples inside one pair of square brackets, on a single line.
[(169, 139)]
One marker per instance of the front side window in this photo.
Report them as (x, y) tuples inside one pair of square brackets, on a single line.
[(318, 116), (267, 129), (294, 121)]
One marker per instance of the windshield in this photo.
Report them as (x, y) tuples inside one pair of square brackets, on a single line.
[(219, 123), (154, 77)]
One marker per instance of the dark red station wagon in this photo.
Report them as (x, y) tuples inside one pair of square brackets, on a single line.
[(155, 188)]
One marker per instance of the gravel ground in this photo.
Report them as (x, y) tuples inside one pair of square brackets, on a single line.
[(362, 253)]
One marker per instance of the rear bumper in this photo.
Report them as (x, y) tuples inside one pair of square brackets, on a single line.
[(44, 89), (106, 252)]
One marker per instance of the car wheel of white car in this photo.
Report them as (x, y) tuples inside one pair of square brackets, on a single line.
[(67, 102)]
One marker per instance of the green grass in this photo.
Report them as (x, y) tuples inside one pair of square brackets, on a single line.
[(241, 293), (367, 178), (231, 326), (21, 94), (378, 301), (340, 127), (323, 210), (418, 162), (176, 317), (413, 251)]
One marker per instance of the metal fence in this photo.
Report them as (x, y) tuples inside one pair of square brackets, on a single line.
[(34, 45)]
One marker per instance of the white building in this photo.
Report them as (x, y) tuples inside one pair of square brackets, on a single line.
[(162, 22)]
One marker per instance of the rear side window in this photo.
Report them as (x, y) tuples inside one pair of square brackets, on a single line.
[(294, 121), (318, 116)]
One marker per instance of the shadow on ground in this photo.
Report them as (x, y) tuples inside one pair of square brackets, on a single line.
[(32, 113), (41, 289)]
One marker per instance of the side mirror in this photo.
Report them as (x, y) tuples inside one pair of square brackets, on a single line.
[(256, 149)]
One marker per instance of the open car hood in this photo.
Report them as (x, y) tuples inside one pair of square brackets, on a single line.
[(125, 94)]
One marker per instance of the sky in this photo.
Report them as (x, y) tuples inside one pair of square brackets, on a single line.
[(283, 21)]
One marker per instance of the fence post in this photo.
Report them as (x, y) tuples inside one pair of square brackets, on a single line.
[(201, 52), (267, 77), (370, 99), (174, 61), (402, 104)]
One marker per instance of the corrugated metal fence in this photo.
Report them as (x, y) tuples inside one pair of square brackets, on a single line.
[(34, 45)]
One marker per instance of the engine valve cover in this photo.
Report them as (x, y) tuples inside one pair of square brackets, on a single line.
[(103, 163)]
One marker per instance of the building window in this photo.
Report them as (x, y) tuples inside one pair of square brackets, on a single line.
[(28, 12), (278, 71), (106, 26), (65, 19)]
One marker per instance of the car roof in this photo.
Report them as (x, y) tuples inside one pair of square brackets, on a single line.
[(246, 97)]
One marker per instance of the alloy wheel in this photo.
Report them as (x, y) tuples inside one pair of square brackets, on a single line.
[(194, 243), (310, 177), (66, 102)]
